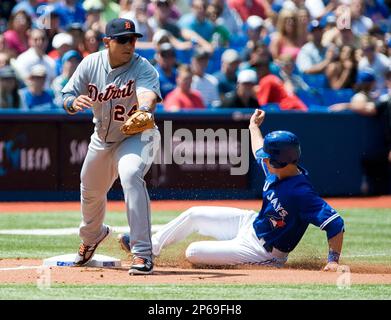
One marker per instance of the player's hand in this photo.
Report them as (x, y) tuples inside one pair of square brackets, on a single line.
[(331, 266), (82, 102), (257, 118)]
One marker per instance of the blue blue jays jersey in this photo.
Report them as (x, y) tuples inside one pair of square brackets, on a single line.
[(289, 206)]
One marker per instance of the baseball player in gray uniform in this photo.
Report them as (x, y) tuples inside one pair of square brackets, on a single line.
[(114, 83)]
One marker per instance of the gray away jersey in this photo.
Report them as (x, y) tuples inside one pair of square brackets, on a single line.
[(113, 91)]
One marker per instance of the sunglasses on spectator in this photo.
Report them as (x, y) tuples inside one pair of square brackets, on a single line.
[(124, 39)]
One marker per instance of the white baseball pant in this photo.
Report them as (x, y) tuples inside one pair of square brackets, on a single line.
[(129, 159), (233, 228)]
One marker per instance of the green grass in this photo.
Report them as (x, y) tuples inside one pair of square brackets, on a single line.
[(69, 219), (195, 292), (367, 233)]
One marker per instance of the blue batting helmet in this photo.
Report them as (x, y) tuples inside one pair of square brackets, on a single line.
[(282, 148)]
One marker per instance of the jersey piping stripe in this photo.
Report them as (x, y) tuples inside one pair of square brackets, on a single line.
[(103, 64), (328, 221), (264, 168)]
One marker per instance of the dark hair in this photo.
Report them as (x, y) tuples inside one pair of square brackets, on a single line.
[(13, 16), (14, 94)]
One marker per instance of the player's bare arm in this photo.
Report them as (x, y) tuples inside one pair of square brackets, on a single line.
[(74, 104), (255, 132), (335, 248), (147, 100)]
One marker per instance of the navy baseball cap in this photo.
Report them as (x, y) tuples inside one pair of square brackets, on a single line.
[(121, 27), (315, 24), (365, 76)]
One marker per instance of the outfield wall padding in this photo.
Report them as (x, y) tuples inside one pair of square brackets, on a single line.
[(41, 154)]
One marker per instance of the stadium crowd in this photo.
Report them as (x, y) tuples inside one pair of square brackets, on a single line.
[(293, 55)]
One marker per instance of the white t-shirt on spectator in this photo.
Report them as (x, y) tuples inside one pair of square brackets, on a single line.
[(25, 61), (309, 55), (207, 85), (380, 66), (315, 7)]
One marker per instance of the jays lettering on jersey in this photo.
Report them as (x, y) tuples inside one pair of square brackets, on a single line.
[(289, 206)]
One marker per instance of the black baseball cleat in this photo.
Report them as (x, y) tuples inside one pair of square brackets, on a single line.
[(141, 266), (86, 253)]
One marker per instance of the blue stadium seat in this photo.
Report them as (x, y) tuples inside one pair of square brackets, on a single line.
[(271, 107), (184, 56), (331, 96), (148, 54), (316, 80), (310, 97), (215, 61)]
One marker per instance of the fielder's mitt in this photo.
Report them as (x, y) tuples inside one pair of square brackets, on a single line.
[(138, 122)]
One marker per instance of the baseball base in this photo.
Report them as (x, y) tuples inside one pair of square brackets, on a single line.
[(67, 260)]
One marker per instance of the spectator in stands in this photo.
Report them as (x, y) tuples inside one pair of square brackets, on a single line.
[(5, 12), (111, 10), (70, 61), (16, 37), (271, 90), (313, 58), (28, 6), (166, 67), (221, 36), (246, 8), (174, 12), (34, 96), (9, 97), (76, 30), (4, 47), (5, 59), (204, 82), (36, 55), (386, 93), (138, 14), (197, 20), (70, 11), (259, 52), (226, 77), (341, 72), (381, 47), (92, 42), (94, 19), (338, 35), (229, 18), (244, 95), (376, 61), (50, 21), (360, 23), (285, 40), (161, 19), (303, 19), (292, 81), (162, 24), (183, 97), (363, 101), (319, 9), (62, 42), (255, 33)]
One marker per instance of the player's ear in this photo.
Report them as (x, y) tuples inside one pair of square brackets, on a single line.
[(106, 42)]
